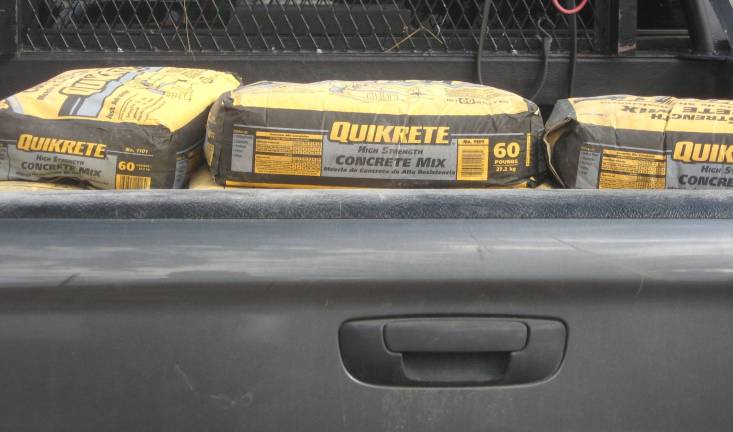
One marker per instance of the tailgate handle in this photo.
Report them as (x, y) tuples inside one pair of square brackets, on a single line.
[(455, 335), (452, 351)]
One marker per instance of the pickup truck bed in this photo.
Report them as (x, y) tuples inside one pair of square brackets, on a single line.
[(193, 311)]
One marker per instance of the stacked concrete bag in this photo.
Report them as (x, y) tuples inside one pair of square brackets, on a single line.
[(31, 186), (636, 142), (374, 134), (110, 128)]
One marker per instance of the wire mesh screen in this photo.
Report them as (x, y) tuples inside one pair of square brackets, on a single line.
[(417, 26)]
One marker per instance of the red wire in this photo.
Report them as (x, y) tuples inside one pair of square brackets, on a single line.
[(572, 11)]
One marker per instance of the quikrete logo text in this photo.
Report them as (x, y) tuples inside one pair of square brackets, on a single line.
[(346, 133), (31, 143), (688, 151)]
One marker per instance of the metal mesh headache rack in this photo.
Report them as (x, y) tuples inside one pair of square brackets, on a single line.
[(624, 46), (370, 26)]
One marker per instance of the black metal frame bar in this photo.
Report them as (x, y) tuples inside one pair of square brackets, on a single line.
[(724, 10), (8, 28), (699, 26), (616, 26), (597, 75)]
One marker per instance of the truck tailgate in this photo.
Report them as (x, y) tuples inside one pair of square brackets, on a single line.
[(183, 311)]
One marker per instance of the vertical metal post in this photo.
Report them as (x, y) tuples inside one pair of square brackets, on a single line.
[(627, 26), (616, 26), (8, 28), (602, 25), (698, 26), (724, 10)]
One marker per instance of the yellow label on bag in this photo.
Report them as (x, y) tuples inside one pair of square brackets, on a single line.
[(624, 112), (656, 113), (383, 97), (144, 96), (473, 159), (29, 186), (703, 116)]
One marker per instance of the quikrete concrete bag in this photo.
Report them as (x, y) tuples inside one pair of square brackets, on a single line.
[(30, 186), (641, 143), (110, 128), (374, 133), (203, 180)]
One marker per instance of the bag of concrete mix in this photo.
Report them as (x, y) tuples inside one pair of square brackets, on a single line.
[(203, 180), (32, 186), (110, 128), (633, 142), (374, 134)]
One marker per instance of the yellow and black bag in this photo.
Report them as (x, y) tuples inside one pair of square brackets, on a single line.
[(110, 128), (33, 186), (641, 143), (374, 134)]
